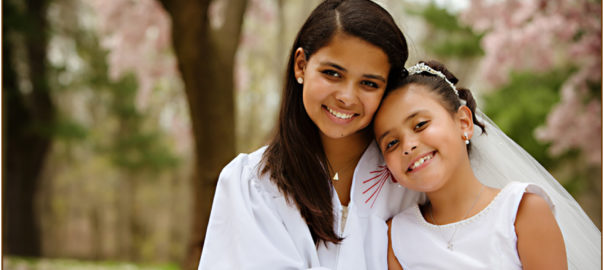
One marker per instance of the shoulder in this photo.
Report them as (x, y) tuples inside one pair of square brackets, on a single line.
[(532, 205), (540, 241), (535, 217), (532, 210), (409, 217), (244, 162), (530, 199), (245, 171)]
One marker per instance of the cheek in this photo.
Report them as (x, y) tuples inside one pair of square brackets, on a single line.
[(315, 89), (436, 134), (371, 102), (394, 164)]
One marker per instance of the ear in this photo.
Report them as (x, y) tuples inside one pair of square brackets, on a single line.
[(465, 120), (299, 63)]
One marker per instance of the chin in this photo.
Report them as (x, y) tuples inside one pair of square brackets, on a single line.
[(337, 133)]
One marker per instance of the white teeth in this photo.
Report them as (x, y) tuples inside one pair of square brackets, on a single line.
[(339, 115), (421, 161)]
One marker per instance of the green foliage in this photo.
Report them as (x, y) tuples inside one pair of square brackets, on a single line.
[(114, 125), (595, 91), (142, 151), (449, 38), (135, 147), (67, 129), (522, 105)]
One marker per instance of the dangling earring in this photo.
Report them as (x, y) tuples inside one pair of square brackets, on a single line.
[(465, 136), (300, 80)]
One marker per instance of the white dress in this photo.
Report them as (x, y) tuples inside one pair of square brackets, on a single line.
[(486, 240), (252, 226)]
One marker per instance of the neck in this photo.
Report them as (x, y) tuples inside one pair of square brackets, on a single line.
[(452, 200), (341, 152), (343, 155)]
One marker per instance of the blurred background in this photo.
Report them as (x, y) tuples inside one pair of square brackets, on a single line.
[(118, 115)]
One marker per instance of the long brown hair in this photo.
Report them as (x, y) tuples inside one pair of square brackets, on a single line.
[(295, 157)]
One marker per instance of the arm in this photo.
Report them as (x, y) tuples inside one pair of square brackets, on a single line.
[(393, 263), (540, 242), (245, 231)]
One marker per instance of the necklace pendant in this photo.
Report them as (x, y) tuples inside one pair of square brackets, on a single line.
[(335, 177), (449, 245)]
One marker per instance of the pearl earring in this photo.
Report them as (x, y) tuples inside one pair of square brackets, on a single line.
[(300, 80), (465, 136)]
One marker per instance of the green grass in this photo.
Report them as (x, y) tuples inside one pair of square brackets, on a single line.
[(20, 263)]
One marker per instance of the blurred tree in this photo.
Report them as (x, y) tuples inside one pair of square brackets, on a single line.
[(205, 48), (28, 114), (447, 37), (532, 96), (106, 105), (549, 53), (541, 36), (447, 40)]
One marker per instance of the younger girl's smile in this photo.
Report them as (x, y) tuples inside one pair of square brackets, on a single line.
[(421, 162)]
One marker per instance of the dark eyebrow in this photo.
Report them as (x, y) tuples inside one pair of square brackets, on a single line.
[(406, 119), (382, 137), (370, 76), (376, 77), (336, 66)]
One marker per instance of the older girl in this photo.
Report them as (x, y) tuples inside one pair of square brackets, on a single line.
[(316, 196)]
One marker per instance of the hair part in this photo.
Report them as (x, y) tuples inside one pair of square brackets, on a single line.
[(295, 158), (447, 96)]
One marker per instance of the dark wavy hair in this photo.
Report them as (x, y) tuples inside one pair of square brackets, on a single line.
[(295, 157), (438, 85)]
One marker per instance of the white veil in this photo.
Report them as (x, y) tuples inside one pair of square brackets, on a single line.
[(497, 160)]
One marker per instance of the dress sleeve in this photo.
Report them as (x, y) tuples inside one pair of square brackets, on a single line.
[(245, 231)]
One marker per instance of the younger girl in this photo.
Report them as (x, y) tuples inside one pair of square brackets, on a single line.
[(423, 129)]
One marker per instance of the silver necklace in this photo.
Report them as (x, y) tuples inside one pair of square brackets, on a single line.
[(450, 242)]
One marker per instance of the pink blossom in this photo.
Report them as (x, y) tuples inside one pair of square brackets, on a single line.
[(539, 35), (138, 38)]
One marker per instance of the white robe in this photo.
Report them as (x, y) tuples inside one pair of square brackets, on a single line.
[(252, 226)]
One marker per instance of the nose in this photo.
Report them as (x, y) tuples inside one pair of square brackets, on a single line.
[(408, 150), (347, 94)]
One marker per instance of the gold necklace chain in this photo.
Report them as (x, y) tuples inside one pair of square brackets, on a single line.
[(355, 161), (450, 242)]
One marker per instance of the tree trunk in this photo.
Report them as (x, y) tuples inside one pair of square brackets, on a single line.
[(206, 60), (27, 115)]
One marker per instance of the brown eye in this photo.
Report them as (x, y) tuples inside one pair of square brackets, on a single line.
[(331, 73), (391, 144), (421, 125), (370, 84)]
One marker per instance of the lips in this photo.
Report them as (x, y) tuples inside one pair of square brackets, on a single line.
[(338, 114), (421, 161)]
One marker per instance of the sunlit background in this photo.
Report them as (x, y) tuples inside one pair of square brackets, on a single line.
[(104, 101)]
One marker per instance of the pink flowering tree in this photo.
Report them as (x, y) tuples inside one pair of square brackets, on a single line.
[(539, 36), (531, 46), (204, 36)]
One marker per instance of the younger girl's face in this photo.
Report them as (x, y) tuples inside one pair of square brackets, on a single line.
[(344, 82), (421, 141)]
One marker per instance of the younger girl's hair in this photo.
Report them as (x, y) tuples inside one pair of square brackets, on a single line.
[(448, 96), (295, 158)]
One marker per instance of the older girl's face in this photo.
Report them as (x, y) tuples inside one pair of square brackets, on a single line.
[(343, 84), (422, 143)]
